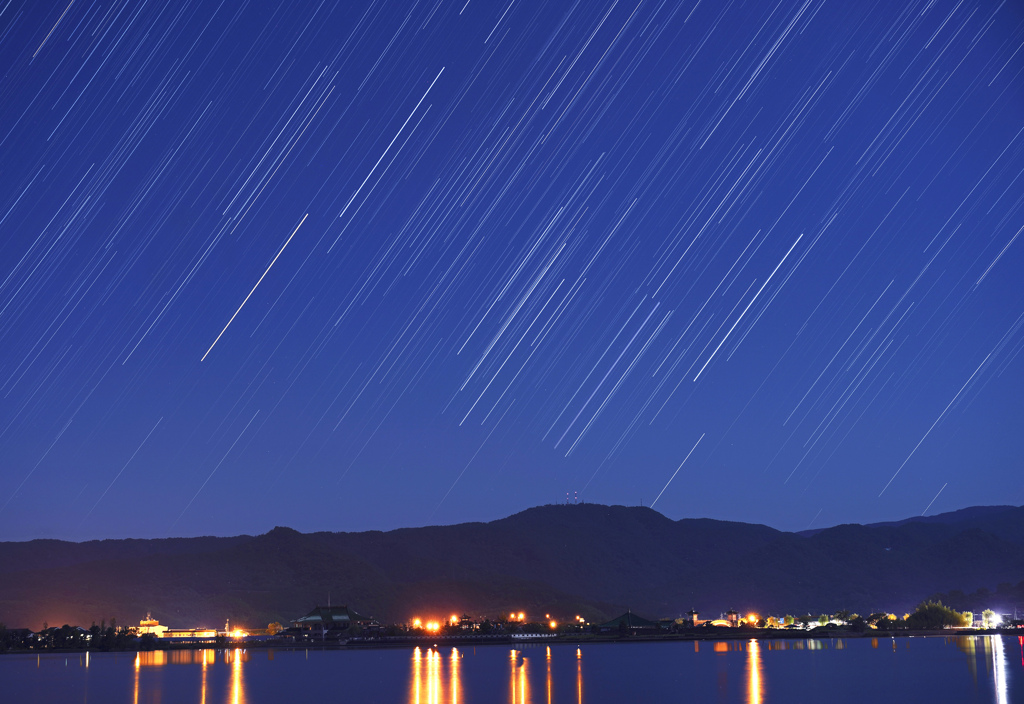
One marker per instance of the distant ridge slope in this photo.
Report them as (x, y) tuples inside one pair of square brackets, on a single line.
[(589, 559), (972, 513)]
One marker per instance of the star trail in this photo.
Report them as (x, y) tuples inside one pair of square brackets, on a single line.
[(343, 266)]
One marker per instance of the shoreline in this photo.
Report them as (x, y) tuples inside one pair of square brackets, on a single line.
[(736, 634), (395, 642)]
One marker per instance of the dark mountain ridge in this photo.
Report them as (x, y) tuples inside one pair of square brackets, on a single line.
[(586, 559), (971, 513)]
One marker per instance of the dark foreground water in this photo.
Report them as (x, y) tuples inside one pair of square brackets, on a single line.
[(883, 670)]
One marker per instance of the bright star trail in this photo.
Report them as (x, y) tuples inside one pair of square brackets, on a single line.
[(536, 248)]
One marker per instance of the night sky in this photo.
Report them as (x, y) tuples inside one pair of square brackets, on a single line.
[(363, 265)]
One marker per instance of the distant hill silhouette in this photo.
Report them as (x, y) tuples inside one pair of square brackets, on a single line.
[(585, 559), (973, 513)]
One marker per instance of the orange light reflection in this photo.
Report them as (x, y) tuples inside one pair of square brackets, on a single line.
[(202, 686), (159, 658), (237, 683), (579, 676), (512, 677), (754, 673), (417, 677), (524, 684), (519, 684), (548, 659), (427, 685), (433, 677), (455, 675)]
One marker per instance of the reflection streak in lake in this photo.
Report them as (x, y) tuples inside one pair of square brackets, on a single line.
[(427, 681), (754, 672), (203, 658), (428, 675), (957, 668)]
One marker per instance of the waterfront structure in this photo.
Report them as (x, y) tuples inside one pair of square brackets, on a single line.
[(199, 634), (330, 618), (190, 635), (629, 622), (152, 626)]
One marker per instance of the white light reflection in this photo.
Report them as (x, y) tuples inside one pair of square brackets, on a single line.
[(999, 669)]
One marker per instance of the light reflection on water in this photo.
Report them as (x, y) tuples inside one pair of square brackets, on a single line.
[(995, 658), (579, 676), (747, 671), (519, 689), (754, 672), (429, 676), (159, 658), (237, 685), (138, 666), (203, 658), (999, 676)]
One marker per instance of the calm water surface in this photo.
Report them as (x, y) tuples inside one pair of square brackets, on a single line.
[(882, 670)]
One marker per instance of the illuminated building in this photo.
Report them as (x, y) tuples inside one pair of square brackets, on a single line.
[(151, 625), (191, 633), (197, 635)]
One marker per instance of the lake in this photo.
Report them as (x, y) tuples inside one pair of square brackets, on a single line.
[(882, 670)]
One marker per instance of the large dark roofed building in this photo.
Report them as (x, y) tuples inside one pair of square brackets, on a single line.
[(330, 618), (629, 621)]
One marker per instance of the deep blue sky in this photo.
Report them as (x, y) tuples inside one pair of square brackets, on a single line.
[(455, 259)]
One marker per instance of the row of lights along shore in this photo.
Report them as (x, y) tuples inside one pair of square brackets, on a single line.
[(455, 620)]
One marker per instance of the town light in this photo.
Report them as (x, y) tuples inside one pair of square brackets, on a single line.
[(522, 616), (553, 624), (454, 620), (416, 623)]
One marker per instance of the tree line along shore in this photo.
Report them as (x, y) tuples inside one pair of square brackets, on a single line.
[(930, 618)]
